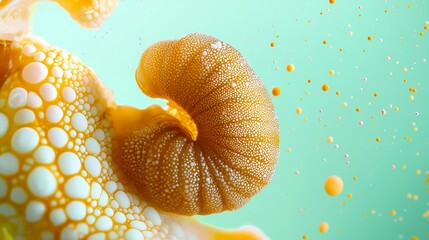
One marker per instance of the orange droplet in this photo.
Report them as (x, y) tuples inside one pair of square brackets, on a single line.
[(305, 236), (272, 44), (324, 227), (298, 110), (392, 212), (334, 185), (357, 109), (309, 80), (375, 94), (332, 1), (369, 38), (330, 139), (324, 42), (349, 195), (276, 91), (325, 87), (377, 139), (425, 27), (337, 93), (331, 72), (422, 34), (290, 68)]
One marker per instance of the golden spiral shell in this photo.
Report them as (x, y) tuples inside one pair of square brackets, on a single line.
[(218, 144)]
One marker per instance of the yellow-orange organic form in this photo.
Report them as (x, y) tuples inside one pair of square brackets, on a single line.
[(217, 145), (75, 165)]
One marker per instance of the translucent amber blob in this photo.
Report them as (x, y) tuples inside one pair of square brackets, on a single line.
[(334, 185), (323, 227)]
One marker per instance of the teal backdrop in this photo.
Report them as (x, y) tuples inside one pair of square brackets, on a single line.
[(390, 174)]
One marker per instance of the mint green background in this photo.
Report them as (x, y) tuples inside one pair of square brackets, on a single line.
[(114, 50)]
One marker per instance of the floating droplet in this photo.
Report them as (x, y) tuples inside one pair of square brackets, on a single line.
[(325, 87), (276, 91), (290, 68), (323, 227), (334, 185)]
